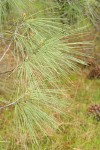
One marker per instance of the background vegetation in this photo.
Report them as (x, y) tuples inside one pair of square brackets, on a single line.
[(46, 53)]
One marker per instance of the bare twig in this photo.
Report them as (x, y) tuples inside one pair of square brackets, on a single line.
[(13, 103), (9, 45), (6, 50), (7, 71)]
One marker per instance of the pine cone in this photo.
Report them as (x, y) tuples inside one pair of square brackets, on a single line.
[(94, 73), (94, 110)]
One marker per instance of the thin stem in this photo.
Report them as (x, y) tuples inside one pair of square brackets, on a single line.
[(13, 103), (6, 50), (9, 45)]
